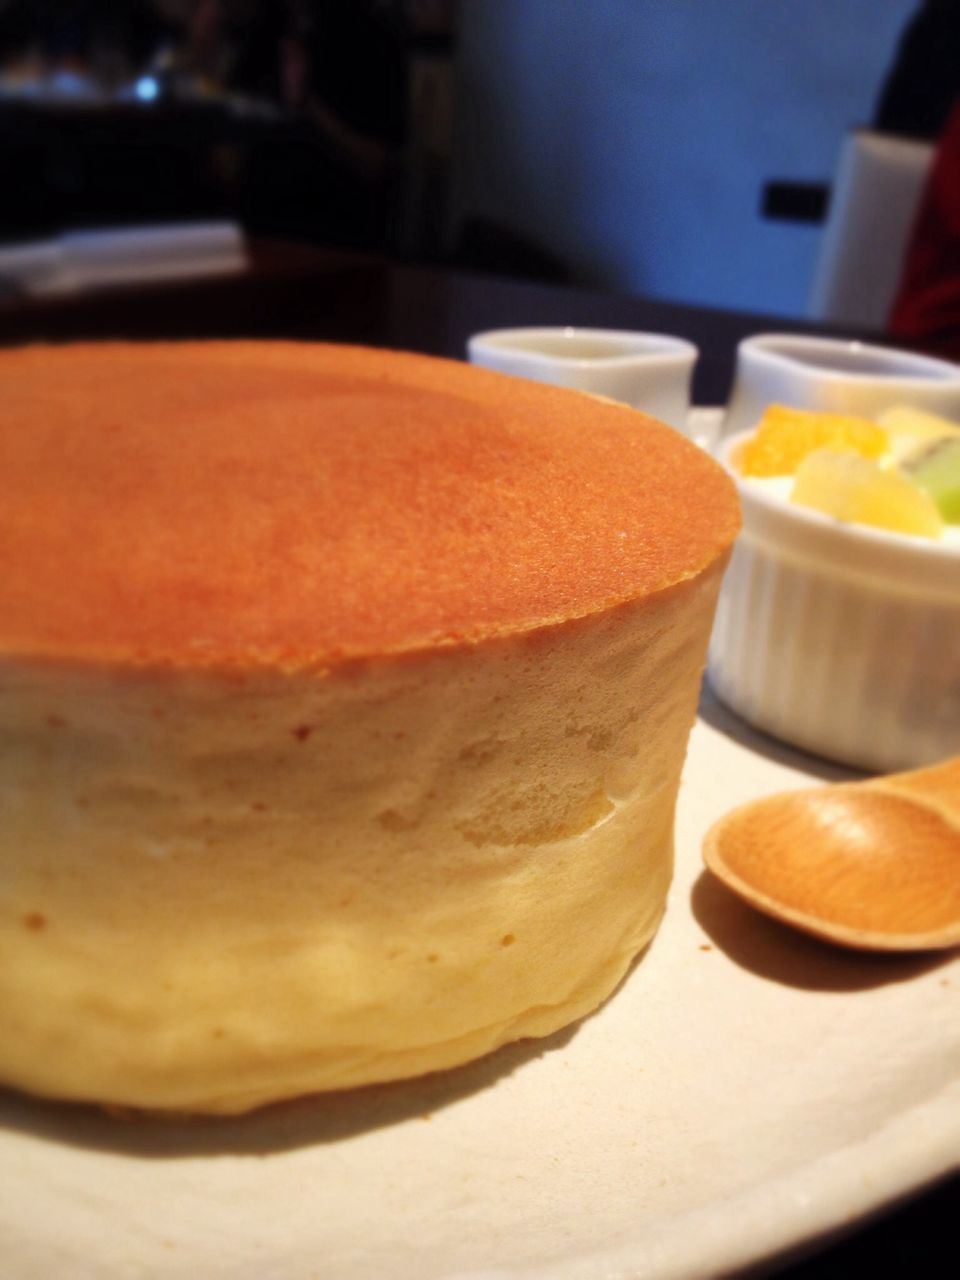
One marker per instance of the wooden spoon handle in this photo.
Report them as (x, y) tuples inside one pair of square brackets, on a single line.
[(935, 787), (871, 864)]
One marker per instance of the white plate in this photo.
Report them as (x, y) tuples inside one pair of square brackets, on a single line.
[(745, 1090)]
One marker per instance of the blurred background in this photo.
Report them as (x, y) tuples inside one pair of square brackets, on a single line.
[(671, 148)]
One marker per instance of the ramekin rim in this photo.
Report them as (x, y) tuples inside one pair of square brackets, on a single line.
[(676, 350), (757, 346), (904, 544)]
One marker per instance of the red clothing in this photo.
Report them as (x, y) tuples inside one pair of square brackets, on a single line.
[(926, 311)]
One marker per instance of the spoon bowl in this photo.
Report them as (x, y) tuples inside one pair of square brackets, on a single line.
[(872, 865)]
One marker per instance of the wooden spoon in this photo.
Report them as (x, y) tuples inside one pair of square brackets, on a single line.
[(873, 865)]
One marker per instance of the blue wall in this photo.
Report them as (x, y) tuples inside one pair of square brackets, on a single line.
[(632, 138)]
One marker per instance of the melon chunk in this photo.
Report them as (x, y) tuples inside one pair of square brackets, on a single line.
[(937, 470), (853, 488)]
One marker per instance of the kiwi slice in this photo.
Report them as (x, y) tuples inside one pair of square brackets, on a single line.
[(937, 469)]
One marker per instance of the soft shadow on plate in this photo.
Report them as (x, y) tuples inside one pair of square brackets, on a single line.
[(714, 713), (303, 1122), (308, 1121), (772, 950)]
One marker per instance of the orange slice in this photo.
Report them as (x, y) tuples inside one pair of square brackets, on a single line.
[(785, 436)]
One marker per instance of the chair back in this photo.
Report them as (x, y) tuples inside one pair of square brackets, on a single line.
[(876, 191)]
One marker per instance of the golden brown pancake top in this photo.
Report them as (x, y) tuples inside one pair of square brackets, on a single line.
[(244, 504)]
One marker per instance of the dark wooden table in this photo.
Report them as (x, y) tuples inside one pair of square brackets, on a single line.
[(299, 291)]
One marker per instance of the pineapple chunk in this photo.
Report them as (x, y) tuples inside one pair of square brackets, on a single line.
[(912, 431), (856, 489), (785, 436), (901, 420)]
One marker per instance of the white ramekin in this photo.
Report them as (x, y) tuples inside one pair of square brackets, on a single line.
[(837, 638), (650, 371), (836, 374)]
